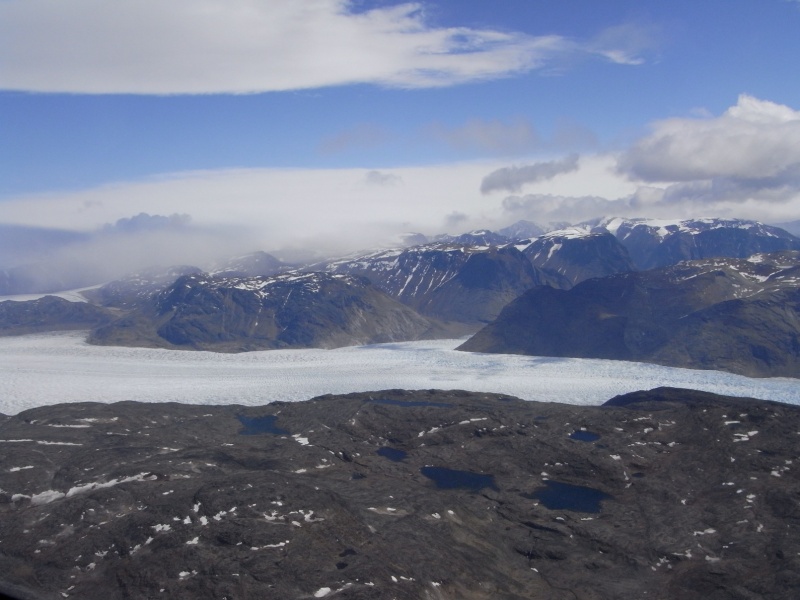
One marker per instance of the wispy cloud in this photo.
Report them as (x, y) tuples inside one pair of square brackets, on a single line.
[(359, 137), (488, 136), (512, 179), (246, 46), (380, 178)]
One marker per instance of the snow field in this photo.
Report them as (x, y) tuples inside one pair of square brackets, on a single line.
[(43, 369)]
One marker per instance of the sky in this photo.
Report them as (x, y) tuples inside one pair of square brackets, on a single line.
[(338, 124)]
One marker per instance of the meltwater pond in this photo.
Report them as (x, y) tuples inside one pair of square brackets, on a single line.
[(393, 454), (42, 369), (584, 436), (453, 479), (259, 425), (564, 496)]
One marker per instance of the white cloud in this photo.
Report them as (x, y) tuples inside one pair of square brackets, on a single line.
[(245, 46), (271, 208), (338, 210), (547, 208), (745, 161), (330, 209), (754, 140)]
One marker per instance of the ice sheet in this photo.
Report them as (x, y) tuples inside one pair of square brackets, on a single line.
[(45, 369)]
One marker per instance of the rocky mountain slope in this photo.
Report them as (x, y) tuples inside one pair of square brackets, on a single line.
[(251, 313), (138, 289), (568, 256), (407, 495), (735, 315), (452, 282)]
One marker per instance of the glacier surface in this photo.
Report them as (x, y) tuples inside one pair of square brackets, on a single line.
[(43, 369)]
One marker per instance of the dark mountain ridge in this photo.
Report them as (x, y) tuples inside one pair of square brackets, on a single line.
[(257, 313), (735, 315)]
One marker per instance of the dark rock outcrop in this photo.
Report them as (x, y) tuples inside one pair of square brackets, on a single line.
[(408, 495), (741, 316), (50, 313), (311, 310)]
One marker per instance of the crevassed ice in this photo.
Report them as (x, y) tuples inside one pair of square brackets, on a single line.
[(43, 369)]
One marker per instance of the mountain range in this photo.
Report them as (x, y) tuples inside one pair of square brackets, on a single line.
[(608, 288)]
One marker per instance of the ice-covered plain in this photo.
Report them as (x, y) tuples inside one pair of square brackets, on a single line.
[(36, 370)]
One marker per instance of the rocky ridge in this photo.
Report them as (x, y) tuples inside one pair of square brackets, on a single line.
[(312, 310), (409, 495)]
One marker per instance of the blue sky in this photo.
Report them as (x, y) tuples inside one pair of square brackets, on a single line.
[(344, 122)]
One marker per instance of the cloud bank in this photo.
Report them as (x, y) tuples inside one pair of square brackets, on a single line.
[(756, 139), (743, 163), (751, 153), (674, 172), (247, 46)]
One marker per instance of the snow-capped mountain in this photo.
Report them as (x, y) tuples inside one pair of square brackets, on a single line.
[(522, 230), (254, 264), (738, 315), (656, 243)]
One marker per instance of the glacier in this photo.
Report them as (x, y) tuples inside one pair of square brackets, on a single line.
[(42, 369)]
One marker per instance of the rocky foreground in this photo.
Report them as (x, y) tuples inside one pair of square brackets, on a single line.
[(399, 494)]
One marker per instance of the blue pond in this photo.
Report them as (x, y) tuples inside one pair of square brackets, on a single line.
[(409, 403), (564, 496), (450, 479), (584, 436), (258, 425), (392, 454)]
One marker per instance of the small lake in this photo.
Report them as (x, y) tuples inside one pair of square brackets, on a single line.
[(451, 479), (392, 454), (259, 425), (564, 496), (584, 436)]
